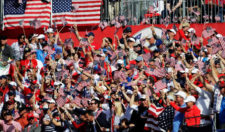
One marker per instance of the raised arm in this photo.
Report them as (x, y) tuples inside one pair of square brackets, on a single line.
[(214, 71), (76, 32)]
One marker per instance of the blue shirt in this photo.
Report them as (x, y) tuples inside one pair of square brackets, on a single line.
[(178, 118), (222, 112)]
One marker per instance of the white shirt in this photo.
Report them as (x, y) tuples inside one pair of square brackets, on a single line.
[(203, 103)]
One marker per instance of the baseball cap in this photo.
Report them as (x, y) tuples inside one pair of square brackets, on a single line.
[(29, 96), (50, 30), (172, 30), (139, 58), (41, 36), (127, 30), (143, 97), (182, 94), (129, 92), (219, 36), (51, 101), (120, 61), (131, 40), (57, 83), (90, 34), (13, 84), (191, 30), (190, 99)]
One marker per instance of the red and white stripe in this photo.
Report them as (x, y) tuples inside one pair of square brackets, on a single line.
[(155, 111), (35, 9), (87, 14)]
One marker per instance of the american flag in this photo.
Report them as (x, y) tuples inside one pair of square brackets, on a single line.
[(161, 84), (61, 101), (222, 42), (28, 11), (208, 32), (87, 13), (152, 121)]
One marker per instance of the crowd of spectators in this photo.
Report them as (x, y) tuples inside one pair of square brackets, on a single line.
[(159, 83)]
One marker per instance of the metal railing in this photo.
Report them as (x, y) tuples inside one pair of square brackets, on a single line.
[(137, 11)]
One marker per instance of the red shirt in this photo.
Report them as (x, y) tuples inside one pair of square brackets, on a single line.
[(191, 115), (4, 90)]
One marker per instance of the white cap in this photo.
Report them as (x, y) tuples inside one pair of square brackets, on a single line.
[(164, 90), (132, 39), (122, 46), (41, 36), (96, 98), (102, 55), (172, 30), (185, 71), (195, 70), (190, 99), (170, 97), (146, 44), (57, 83), (182, 94), (120, 61), (170, 70), (50, 30), (143, 96), (191, 30), (13, 84), (219, 36), (51, 101), (35, 35), (129, 92), (113, 68)]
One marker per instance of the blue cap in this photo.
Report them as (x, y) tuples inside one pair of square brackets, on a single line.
[(90, 34), (158, 42), (58, 51), (127, 30), (3, 77), (139, 58), (29, 96)]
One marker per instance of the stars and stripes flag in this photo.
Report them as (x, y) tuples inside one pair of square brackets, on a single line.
[(28, 11), (88, 12), (222, 42), (159, 85), (152, 122)]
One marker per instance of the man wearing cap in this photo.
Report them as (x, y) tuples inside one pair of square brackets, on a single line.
[(50, 34), (33, 41), (50, 122), (89, 40), (191, 113), (126, 34), (178, 117), (203, 103), (170, 37), (6, 51)]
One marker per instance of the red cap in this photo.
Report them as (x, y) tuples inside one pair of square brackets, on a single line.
[(30, 115), (221, 75)]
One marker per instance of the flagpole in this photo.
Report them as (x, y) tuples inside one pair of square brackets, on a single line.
[(51, 15), (2, 14)]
